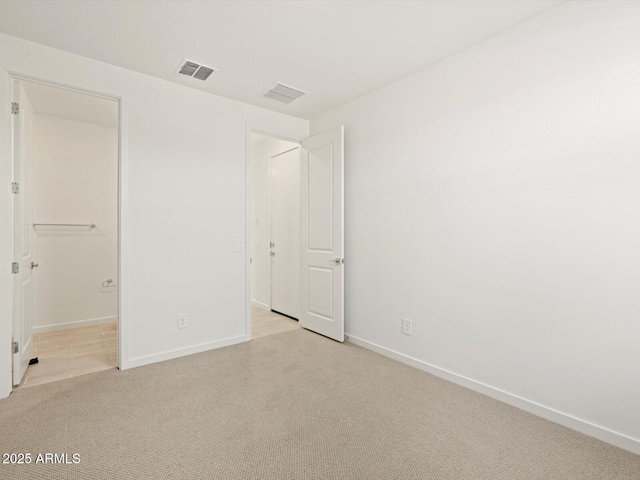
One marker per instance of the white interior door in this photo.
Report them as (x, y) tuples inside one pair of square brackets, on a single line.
[(322, 233), (284, 178), (22, 229)]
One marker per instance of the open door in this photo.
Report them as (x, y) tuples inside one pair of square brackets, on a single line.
[(22, 116), (322, 234)]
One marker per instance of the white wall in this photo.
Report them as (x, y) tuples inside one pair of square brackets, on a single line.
[(74, 180), (182, 199), (260, 220), (493, 199)]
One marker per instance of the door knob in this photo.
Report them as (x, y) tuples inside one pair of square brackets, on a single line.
[(336, 261), (273, 254), (34, 265)]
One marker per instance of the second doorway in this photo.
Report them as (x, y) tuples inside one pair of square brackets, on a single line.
[(275, 222)]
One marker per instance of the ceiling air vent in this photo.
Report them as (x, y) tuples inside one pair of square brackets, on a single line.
[(282, 93), (194, 70)]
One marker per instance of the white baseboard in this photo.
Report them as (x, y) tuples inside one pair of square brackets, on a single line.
[(77, 324), (183, 352), (264, 306), (601, 433)]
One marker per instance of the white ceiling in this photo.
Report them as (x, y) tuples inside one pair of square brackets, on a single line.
[(63, 103), (335, 51)]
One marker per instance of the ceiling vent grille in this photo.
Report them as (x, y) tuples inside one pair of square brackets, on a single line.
[(282, 93), (194, 70)]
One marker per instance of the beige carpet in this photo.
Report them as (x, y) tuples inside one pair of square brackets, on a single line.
[(287, 407)]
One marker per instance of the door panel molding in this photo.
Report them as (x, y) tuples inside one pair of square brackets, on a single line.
[(322, 233)]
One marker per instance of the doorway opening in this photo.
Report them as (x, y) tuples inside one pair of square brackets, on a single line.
[(275, 235), (65, 147), (296, 233)]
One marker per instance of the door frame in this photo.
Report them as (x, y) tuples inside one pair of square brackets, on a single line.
[(18, 75), (248, 228)]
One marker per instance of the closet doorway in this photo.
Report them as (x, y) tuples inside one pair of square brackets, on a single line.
[(65, 156)]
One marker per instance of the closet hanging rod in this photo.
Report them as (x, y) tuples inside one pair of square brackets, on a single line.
[(90, 225)]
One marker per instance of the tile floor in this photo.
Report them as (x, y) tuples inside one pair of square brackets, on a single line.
[(265, 322), (68, 353)]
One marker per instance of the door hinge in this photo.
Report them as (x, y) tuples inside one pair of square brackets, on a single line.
[(15, 347), (15, 108), (15, 187), (15, 267)]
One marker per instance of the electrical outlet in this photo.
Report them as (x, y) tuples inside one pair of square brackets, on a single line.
[(407, 326), (182, 320)]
